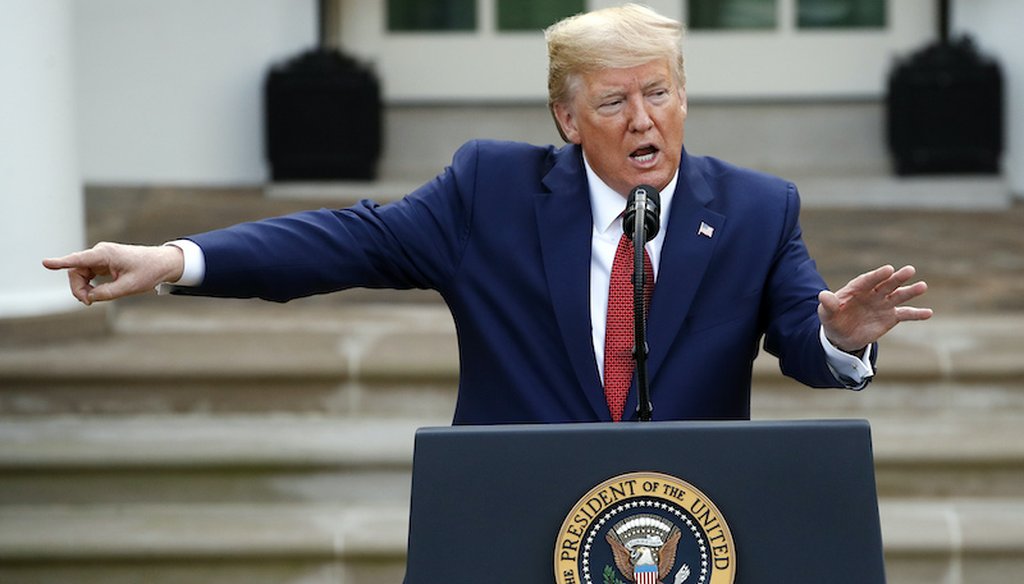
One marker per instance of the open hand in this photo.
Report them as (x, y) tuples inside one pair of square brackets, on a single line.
[(869, 306), (133, 269)]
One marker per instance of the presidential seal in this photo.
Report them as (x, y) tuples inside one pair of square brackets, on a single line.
[(647, 528)]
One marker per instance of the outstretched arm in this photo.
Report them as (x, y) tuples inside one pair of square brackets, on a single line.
[(132, 269), (869, 306)]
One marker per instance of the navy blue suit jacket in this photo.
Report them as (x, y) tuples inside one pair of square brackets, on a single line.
[(504, 234)]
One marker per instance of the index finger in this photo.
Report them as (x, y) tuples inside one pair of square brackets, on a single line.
[(897, 279), (869, 280), (79, 259)]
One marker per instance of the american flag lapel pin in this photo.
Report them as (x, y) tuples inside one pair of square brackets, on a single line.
[(706, 230)]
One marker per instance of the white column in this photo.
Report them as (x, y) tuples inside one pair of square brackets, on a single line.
[(996, 27), (41, 209)]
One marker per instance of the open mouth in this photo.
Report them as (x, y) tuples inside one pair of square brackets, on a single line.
[(644, 154)]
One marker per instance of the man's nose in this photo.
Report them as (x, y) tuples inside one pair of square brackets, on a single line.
[(639, 118)]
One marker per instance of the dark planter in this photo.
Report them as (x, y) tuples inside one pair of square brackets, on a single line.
[(945, 111), (323, 118)]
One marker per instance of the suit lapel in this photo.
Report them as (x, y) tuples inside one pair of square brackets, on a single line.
[(565, 223), (685, 258)]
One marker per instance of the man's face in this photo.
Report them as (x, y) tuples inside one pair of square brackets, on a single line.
[(629, 123)]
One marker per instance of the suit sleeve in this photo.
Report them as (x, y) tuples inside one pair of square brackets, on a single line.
[(792, 328), (416, 242)]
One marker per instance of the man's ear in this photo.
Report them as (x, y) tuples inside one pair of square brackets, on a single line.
[(682, 99), (566, 122)]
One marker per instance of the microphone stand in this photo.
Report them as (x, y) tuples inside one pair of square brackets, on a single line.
[(644, 407)]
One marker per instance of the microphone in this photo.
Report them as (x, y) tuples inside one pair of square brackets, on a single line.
[(645, 201)]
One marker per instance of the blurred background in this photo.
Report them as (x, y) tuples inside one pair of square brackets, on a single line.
[(186, 440)]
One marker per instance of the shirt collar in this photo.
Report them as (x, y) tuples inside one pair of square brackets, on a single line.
[(607, 206)]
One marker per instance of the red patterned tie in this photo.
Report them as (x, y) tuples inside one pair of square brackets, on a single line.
[(618, 336)]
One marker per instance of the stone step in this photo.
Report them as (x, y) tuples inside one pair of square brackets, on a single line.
[(280, 459), (198, 355), (953, 540), (237, 356), (193, 459), (228, 544)]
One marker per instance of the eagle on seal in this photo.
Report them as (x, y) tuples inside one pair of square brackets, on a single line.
[(638, 563)]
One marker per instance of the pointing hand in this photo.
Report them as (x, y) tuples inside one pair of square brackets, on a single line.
[(133, 269)]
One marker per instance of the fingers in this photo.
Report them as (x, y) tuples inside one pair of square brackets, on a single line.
[(907, 293), (895, 280), (886, 283), (82, 267), (873, 279), (104, 292), (124, 285), (55, 263), (80, 282), (89, 258), (829, 304), (58, 263), (905, 313)]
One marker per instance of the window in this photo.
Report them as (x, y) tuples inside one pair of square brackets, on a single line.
[(525, 15), (431, 15), (764, 14), (731, 14), (461, 15), (840, 13)]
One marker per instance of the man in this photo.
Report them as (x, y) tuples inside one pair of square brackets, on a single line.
[(520, 241)]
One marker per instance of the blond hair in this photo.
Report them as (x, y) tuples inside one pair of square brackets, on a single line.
[(616, 38)]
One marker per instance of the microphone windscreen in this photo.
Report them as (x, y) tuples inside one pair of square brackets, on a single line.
[(651, 210)]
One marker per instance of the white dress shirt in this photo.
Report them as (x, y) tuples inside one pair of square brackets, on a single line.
[(606, 207)]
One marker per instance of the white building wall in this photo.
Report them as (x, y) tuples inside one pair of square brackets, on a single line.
[(486, 65), (170, 92), (996, 27)]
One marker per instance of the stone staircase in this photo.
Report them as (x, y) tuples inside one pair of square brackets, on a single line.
[(173, 440), (205, 441), (235, 441)]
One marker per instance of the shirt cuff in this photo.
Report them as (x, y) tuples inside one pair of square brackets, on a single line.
[(194, 270), (852, 371)]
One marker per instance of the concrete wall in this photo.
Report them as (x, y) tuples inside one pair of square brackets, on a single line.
[(169, 92), (996, 27), (804, 139)]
